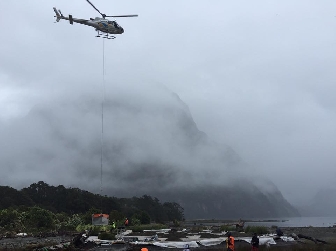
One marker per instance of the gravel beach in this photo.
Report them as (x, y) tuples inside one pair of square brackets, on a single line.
[(327, 234)]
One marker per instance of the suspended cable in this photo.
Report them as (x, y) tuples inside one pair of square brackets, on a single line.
[(102, 129)]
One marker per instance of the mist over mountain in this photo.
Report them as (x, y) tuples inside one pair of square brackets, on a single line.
[(240, 200), (323, 203), (151, 145)]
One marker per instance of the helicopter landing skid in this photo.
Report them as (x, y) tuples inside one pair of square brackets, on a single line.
[(105, 36), (111, 37)]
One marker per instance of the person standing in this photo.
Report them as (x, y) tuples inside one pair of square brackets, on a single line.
[(230, 242), (255, 242), (126, 222), (279, 232)]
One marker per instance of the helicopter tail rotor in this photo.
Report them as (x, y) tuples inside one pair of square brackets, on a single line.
[(58, 16)]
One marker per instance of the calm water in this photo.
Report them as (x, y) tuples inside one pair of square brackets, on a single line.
[(296, 222), (279, 222)]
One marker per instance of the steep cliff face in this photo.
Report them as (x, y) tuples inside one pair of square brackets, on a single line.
[(151, 145), (243, 200)]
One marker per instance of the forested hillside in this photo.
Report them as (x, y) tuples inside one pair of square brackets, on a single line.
[(59, 199)]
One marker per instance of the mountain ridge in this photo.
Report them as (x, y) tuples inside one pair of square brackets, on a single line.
[(151, 145)]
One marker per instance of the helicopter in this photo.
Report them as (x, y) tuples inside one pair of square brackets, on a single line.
[(101, 24)]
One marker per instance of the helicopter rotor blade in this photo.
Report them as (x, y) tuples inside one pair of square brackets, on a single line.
[(103, 15), (124, 16)]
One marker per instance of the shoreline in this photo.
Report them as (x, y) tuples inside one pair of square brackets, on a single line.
[(327, 234)]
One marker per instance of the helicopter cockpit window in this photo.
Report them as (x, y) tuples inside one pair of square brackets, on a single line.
[(114, 24)]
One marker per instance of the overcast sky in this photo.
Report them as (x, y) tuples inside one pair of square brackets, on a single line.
[(256, 75)]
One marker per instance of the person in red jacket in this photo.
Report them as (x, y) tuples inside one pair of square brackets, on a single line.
[(230, 242), (126, 222)]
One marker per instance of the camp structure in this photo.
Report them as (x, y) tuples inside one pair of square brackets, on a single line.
[(100, 219)]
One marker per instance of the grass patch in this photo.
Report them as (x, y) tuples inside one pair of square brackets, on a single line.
[(257, 229), (227, 228)]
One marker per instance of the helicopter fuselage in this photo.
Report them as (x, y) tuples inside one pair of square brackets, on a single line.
[(106, 25), (100, 24)]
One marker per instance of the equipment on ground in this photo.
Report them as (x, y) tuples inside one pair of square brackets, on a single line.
[(103, 26)]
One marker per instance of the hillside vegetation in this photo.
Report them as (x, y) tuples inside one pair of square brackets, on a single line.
[(44, 207)]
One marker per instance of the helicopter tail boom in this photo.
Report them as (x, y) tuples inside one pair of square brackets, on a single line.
[(58, 15)]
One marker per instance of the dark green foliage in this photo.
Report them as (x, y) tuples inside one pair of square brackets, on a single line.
[(95, 230), (72, 222), (116, 216), (37, 218), (158, 213), (176, 223), (68, 200), (257, 229), (10, 197), (62, 202), (227, 228), (142, 217), (61, 217), (174, 211), (9, 219)]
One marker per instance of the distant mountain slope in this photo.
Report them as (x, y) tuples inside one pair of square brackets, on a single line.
[(151, 146), (233, 202), (322, 204), (242, 200)]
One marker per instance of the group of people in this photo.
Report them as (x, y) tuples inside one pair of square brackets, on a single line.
[(230, 242)]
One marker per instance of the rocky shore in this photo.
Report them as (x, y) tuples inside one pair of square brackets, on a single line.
[(33, 243), (325, 234)]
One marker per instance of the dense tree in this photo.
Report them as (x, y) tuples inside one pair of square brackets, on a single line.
[(69, 201), (116, 216), (10, 197), (174, 211), (144, 217), (9, 219), (73, 222), (38, 218)]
